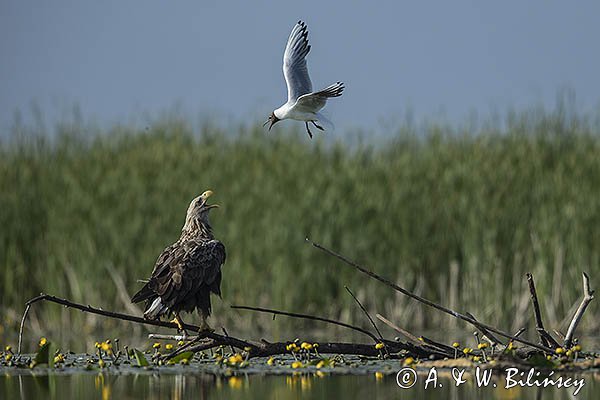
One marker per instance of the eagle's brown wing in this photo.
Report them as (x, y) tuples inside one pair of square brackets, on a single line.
[(181, 271)]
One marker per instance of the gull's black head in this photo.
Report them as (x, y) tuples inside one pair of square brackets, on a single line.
[(272, 119)]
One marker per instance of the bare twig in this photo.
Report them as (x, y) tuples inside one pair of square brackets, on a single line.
[(177, 338), (365, 311), (227, 335), (545, 338), (588, 296), (487, 335), (25, 313), (306, 316), (125, 317), (401, 331), (426, 301), (430, 346)]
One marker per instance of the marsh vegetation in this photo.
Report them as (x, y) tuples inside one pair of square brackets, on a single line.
[(455, 215)]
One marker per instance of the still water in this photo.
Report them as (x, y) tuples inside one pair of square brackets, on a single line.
[(149, 385)]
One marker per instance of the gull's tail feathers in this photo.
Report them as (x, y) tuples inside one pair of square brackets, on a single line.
[(325, 122)]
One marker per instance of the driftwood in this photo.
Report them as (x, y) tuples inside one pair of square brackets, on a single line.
[(588, 295), (416, 346)]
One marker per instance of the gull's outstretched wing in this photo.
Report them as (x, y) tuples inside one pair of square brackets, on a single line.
[(294, 63), (313, 102)]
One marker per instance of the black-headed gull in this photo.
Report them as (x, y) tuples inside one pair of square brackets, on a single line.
[(303, 104)]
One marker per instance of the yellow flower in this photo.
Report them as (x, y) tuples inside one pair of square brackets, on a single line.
[(548, 357), (156, 345), (455, 345), (101, 363), (476, 358), (106, 346), (291, 347), (9, 349), (379, 346), (8, 357), (559, 350), (320, 364), (510, 345), (306, 346), (180, 343), (575, 348), (235, 359), (270, 361), (379, 375), (568, 353), (97, 345), (43, 341), (467, 350), (482, 346), (409, 361), (296, 364), (169, 346), (59, 358), (185, 361)]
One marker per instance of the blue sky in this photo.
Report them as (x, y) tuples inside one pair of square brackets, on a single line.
[(126, 61)]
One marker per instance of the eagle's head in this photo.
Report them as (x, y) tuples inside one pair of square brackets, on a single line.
[(196, 218)]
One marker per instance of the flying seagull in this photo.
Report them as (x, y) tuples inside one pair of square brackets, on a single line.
[(303, 104), (188, 271)]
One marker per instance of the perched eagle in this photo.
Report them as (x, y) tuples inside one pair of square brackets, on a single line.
[(187, 271)]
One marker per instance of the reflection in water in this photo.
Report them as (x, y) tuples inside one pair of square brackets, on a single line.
[(203, 386)]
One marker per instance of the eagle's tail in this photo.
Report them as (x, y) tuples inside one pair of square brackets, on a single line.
[(143, 294), (155, 310)]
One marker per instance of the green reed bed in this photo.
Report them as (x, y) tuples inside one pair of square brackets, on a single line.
[(457, 217)]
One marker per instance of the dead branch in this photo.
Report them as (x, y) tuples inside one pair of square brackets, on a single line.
[(401, 331), (124, 317), (306, 316), (365, 311), (588, 296), (485, 334), (277, 348), (545, 338), (426, 344), (426, 301)]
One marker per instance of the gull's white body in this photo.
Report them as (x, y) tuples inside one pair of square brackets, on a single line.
[(302, 104)]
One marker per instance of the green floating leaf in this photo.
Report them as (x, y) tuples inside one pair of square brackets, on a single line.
[(45, 355), (141, 358), (540, 361), (180, 357)]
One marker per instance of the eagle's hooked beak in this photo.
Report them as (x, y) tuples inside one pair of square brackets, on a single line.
[(204, 196)]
